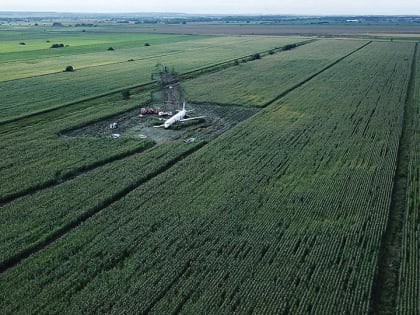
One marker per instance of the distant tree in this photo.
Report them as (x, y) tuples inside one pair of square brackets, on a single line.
[(57, 45), (111, 49), (22, 43), (126, 94), (289, 46), (146, 44), (256, 56), (69, 69)]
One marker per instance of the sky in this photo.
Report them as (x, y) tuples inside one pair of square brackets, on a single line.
[(308, 7)]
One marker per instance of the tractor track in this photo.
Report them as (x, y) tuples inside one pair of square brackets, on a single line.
[(74, 173), (312, 76), (149, 85), (385, 285), (69, 175), (41, 244)]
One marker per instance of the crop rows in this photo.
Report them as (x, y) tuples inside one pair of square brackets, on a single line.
[(282, 214), (409, 273), (35, 156), (33, 219), (256, 83), (27, 95), (28, 148)]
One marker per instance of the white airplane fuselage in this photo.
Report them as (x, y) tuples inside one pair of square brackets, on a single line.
[(177, 117)]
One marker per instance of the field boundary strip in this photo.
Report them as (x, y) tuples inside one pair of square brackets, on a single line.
[(95, 66), (93, 53), (78, 101), (312, 76), (231, 62), (186, 75), (297, 85), (9, 263), (58, 56), (71, 175), (111, 63), (41, 244), (51, 183), (385, 285)]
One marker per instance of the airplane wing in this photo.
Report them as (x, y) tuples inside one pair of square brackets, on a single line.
[(186, 119), (161, 126), (192, 118)]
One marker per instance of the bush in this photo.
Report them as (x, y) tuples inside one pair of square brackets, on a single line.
[(126, 94), (22, 43), (57, 45), (256, 57), (290, 46), (146, 44), (111, 49), (69, 69)]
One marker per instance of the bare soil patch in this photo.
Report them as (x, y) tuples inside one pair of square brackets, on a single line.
[(218, 119)]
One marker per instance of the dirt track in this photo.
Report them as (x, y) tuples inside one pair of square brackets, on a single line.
[(245, 29)]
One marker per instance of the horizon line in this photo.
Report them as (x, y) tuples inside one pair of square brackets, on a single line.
[(215, 14)]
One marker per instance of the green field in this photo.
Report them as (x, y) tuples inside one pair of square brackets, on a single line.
[(38, 43), (257, 83), (305, 204), (91, 55), (68, 87), (409, 288)]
